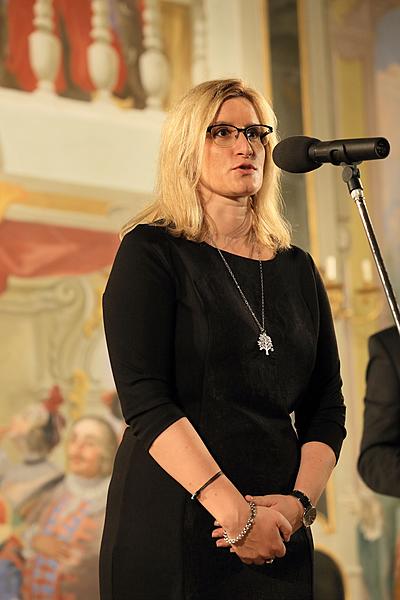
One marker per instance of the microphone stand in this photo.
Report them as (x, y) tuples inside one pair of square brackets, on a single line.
[(351, 176)]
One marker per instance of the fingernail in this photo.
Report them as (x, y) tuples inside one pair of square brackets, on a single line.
[(216, 523)]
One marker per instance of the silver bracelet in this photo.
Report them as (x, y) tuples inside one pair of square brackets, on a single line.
[(249, 524)]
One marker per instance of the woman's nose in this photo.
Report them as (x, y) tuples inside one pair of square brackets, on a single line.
[(243, 145)]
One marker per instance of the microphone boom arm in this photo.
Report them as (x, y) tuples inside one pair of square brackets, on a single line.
[(351, 175)]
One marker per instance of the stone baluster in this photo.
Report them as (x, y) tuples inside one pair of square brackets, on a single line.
[(199, 46), (103, 60), (44, 46), (153, 65)]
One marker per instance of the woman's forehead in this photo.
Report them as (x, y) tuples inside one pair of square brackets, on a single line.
[(239, 108)]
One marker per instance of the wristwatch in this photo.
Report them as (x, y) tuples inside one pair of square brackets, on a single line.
[(310, 512)]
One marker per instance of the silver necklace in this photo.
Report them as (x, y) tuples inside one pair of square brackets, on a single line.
[(264, 341)]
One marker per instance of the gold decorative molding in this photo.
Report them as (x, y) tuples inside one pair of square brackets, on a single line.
[(265, 28), (305, 77), (11, 193), (96, 318), (78, 393)]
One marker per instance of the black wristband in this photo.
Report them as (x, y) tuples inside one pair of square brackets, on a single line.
[(203, 487)]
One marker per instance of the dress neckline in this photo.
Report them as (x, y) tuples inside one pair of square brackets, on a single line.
[(265, 260)]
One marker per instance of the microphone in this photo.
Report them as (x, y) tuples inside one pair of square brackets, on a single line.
[(300, 154)]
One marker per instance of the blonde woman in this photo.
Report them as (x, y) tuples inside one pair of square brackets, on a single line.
[(218, 329)]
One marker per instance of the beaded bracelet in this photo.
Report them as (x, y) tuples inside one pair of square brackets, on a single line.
[(249, 524)]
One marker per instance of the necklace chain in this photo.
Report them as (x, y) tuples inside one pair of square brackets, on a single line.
[(261, 325)]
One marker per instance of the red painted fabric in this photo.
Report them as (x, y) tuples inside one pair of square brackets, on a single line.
[(37, 250)]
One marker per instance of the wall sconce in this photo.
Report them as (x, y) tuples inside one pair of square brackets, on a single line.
[(364, 304)]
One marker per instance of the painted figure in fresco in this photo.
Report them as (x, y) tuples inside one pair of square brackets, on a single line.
[(34, 431), (114, 414), (62, 547)]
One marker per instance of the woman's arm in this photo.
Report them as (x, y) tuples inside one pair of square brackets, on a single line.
[(180, 451), (317, 463)]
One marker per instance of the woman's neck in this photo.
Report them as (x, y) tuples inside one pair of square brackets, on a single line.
[(229, 221), (230, 226)]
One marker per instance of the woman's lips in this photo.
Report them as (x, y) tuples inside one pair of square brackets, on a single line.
[(245, 167)]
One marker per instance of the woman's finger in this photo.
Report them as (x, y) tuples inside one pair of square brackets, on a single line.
[(217, 533), (260, 500), (284, 526)]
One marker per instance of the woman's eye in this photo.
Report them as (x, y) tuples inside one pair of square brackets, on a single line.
[(222, 132), (253, 133)]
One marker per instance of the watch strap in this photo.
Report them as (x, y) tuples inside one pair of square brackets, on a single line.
[(310, 512), (305, 500)]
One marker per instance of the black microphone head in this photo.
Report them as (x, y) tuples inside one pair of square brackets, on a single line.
[(291, 154), (382, 148)]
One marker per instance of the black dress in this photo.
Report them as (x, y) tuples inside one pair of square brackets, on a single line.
[(182, 343)]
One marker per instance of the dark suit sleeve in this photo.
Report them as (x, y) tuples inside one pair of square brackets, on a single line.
[(379, 461), (139, 321)]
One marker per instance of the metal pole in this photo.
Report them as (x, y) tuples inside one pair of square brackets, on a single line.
[(351, 175)]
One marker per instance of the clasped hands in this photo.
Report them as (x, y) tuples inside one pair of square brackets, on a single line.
[(278, 517)]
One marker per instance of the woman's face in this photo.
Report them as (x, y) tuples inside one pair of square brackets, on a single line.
[(84, 453), (235, 172)]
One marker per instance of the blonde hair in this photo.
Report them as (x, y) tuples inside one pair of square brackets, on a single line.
[(178, 206)]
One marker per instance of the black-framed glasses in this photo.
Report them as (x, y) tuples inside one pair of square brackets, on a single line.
[(225, 135)]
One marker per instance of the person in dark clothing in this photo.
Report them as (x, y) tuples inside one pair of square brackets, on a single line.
[(218, 329), (379, 460)]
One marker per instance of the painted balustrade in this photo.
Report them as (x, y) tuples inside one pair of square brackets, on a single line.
[(103, 60), (44, 46), (153, 65), (199, 42), (45, 50)]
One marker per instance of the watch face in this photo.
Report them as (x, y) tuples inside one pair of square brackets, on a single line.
[(309, 516)]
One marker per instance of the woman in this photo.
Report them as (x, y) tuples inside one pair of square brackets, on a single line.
[(217, 329)]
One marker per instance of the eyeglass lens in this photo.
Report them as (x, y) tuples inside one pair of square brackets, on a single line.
[(226, 135)]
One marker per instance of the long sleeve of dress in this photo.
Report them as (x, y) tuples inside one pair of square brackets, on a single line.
[(321, 415), (379, 461), (139, 320)]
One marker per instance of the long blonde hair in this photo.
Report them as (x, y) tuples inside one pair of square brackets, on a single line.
[(178, 206)]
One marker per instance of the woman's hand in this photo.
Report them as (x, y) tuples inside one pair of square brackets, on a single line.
[(265, 539), (289, 506)]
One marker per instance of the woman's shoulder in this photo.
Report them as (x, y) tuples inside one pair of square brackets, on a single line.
[(145, 239), (297, 256), (146, 234), (144, 252)]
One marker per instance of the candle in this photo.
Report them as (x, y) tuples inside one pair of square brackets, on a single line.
[(330, 268), (366, 270)]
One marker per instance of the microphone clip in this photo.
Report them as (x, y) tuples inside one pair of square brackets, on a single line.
[(351, 176)]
